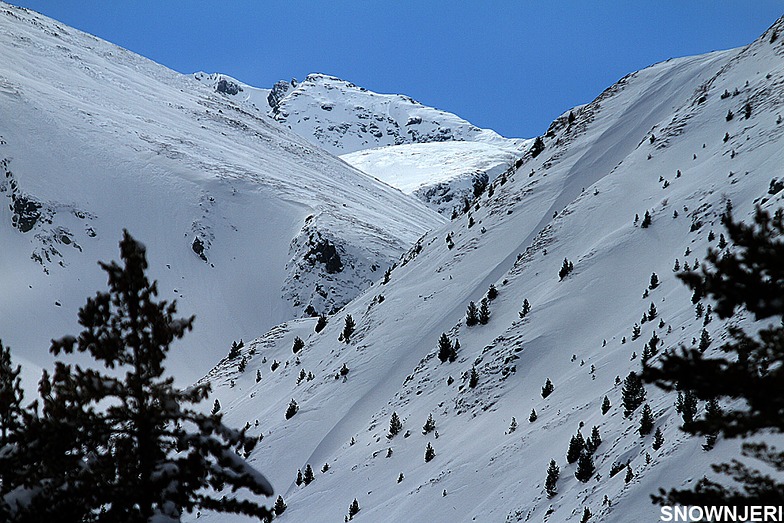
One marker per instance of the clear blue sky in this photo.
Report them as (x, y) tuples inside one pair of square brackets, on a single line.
[(510, 65)]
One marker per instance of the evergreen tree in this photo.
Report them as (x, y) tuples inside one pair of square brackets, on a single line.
[(654, 281), (705, 341), (686, 405), (326, 467), (298, 345), (750, 370), (533, 416), (646, 220), (635, 332), (258, 375), (537, 147), (149, 452), (606, 405), (299, 479), (308, 476), (551, 483), (586, 511), (633, 393), (353, 509), (566, 269), (576, 447), (473, 379), (444, 348), (512, 425), (484, 311), (453, 352), (395, 426), (658, 439), (430, 453), (594, 441), (526, 309), (348, 329), (585, 467), (646, 421), (216, 407), (321, 323), (492, 292), (548, 388), (629, 474), (280, 506), (472, 315), (430, 425), (292, 409)]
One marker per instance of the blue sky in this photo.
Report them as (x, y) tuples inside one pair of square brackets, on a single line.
[(510, 65)]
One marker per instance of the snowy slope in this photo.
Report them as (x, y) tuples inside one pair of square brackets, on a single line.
[(441, 174), (343, 118), (652, 142), (246, 224)]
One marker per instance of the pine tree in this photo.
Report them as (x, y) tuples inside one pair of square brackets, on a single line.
[(430, 453), (526, 309), (148, 450), (280, 506), (686, 405), (533, 416), (551, 483), (652, 313), (576, 447), (430, 425), (658, 439), (308, 476), (473, 379), (595, 440), (17, 454), (537, 147), (216, 407), (453, 352), (586, 511), (258, 375), (548, 388), (606, 405), (629, 474), (444, 348), (472, 315), (299, 479), (646, 220), (484, 311), (750, 370), (292, 409), (585, 467), (321, 323), (492, 292), (633, 393), (635, 332), (348, 329), (705, 341), (566, 269), (298, 345), (512, 425), (395, 426), (654, 281), (646, 421)]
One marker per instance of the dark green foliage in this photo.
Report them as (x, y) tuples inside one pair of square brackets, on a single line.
[(747, 110), (587, 512), (635, 332), (298, 345), (606, 405), (585, 467), (348, 329), (548, 388), (629, 474), (652, 312), (280, 506), (472, 315), (292, 409), (646, 421), (258, 375), (686, 405), (395, 426), (525, 310), (446, 351), (321, 323), (654, 281), (566, 269), (576, 447), (537, 147), (551, 483), (400, 478), (308, 476), (430, 425), (325, 468), (730, 115), (243, 364), (751, 368), (430, 453), (484, 311), (705, 341), (646, 220), (533, 416), (344, 370), (216, 407), (387, 275), (492, 292), (235, 349), (353, 509), (658, 439), (473, 379), (633, 393), (594, 441), (149, 452)]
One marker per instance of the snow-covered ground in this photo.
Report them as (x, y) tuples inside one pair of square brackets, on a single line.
[(658, 141), (240, 215)]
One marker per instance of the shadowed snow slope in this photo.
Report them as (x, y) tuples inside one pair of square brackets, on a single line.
[(246, 224), (658, 141)]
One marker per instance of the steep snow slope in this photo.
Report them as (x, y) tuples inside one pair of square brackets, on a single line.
[(654, 142), (344, 118), (441, 174), (246, 224)]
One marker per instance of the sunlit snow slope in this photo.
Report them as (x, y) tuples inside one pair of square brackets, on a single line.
[(246, 224), (658, 141)]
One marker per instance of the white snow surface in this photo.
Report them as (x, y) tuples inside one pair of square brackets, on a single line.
[(577, 200), (94, 139)]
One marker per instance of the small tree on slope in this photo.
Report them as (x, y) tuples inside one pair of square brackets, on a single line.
[(752, 369), (152, 455)]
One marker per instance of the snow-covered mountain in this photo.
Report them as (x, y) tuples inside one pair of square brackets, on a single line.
[(246, 223), (434, 155), (676, 142)]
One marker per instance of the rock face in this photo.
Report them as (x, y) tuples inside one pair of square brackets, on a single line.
[(278, 92)]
